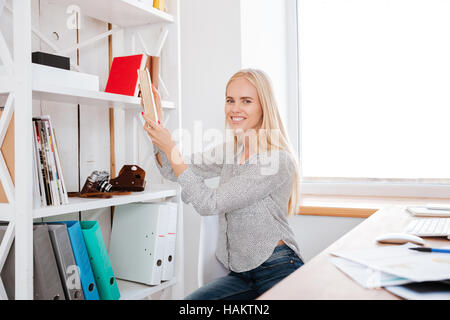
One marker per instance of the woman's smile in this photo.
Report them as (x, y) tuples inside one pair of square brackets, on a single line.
[(237, 119)]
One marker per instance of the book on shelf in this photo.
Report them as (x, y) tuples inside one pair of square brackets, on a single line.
[(150, 107), (123, 77), (51, 60), (48, 171), (159, 4), (153, 67)]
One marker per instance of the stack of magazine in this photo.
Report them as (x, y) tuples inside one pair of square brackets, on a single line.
[(49, 179)]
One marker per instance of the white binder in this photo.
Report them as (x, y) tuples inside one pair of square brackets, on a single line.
[(137, 244), (169, 254)]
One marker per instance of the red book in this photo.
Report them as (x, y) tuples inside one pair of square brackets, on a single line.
[(123, 76)]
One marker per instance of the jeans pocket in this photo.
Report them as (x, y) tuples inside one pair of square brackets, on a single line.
[(279, 258)]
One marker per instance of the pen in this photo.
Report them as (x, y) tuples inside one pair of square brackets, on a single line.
[(431, 250), (438, 208)]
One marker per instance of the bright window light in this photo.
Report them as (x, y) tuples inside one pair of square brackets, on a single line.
[(375, 88)]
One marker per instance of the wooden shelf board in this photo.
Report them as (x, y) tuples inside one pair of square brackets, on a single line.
[(124, 13), (152, 192)]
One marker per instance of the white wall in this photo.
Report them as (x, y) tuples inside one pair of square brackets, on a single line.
[(264, 44), (316, 233)]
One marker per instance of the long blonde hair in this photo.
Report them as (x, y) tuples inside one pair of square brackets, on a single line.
[(272, 121)]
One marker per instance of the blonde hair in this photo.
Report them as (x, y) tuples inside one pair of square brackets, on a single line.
[(271, 120)]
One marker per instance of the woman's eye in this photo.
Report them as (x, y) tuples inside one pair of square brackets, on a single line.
[(230, 101), (247, 101)]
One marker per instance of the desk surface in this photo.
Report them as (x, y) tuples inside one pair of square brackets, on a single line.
[(320, 279)]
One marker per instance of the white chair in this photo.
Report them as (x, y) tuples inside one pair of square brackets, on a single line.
[(209, 268)]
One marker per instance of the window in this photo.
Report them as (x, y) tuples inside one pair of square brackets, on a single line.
[(375, 95)]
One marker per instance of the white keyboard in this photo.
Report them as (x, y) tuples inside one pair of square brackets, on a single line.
[(429, 227)]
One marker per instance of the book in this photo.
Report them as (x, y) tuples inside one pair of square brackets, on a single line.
[(153, 67), (56, 163), (38, 167), (159, 4), (51, 163), (48, 171), (150, 107), (63, 184), (43, 162), (123, 78), (51, 60)]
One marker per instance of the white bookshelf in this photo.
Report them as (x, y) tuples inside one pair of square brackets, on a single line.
[(20, 215)]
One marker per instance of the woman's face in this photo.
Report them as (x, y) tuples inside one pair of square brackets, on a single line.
[(243, 109)]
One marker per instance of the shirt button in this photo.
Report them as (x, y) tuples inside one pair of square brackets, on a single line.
[(291, 261)]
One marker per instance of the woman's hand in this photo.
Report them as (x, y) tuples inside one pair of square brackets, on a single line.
[(161, 137)]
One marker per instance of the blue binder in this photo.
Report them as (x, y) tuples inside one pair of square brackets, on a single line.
[(82, 260)]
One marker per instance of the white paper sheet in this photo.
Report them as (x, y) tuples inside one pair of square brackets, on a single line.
[(367, 277), (400, 261), (422, 291)]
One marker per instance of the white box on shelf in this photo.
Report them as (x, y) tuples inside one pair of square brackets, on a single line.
[(137, 243), (44, 76)]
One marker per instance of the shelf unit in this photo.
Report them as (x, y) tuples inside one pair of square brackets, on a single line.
[(17, 85)]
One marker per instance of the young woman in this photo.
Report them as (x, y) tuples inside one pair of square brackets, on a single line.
[(253, 201)]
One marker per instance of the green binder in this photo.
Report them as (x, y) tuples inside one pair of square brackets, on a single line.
[(101, 265)]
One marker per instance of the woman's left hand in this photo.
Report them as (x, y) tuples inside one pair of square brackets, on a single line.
[(160, 136)]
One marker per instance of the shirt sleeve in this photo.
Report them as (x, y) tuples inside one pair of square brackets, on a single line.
[(252, 184), (207, 164)]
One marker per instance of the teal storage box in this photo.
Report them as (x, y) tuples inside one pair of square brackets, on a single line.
[(101, 265)]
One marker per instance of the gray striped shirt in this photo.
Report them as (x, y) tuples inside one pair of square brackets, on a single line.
[(251, 201)]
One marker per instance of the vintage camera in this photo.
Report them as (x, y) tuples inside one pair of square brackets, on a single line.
[(98, 181), (98, 185)]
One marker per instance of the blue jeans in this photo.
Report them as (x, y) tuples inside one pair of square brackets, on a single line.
[(251, 284)]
